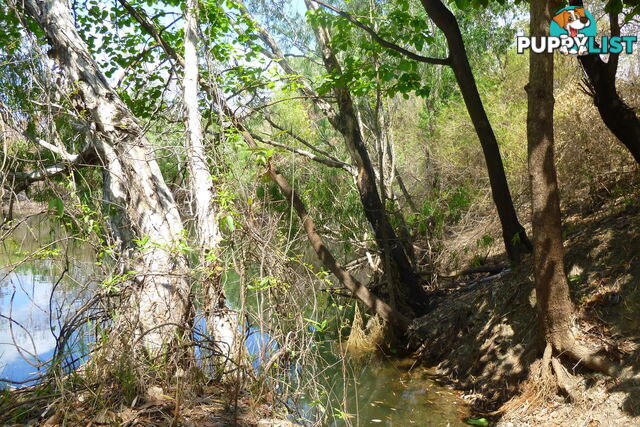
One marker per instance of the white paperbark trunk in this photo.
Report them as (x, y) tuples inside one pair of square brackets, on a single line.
[(200, 182), (221, 322), (159, 306)]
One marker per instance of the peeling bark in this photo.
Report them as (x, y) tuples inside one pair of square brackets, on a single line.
[(159, 305), (221, 322), (200, 180)]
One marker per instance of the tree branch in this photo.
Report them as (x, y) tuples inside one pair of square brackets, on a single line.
[(153, 32), (20, 181), (299, 138), (279, 56), (324, 160), (66, 156), (383, 42)]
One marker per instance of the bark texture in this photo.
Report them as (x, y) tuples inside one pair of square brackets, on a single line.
[(621, 120), (552, 289), (159, 305), (200, 180), (411, 293), (221, 321), (514, 235)]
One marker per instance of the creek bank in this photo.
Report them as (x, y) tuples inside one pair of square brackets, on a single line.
[(482, 336), (362, 388)]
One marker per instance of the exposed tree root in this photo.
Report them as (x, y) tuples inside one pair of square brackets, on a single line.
[(548, 377), (587, 358), (537, 389), (565, 381)]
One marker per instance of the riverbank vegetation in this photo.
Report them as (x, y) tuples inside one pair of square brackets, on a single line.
[(219, 208)]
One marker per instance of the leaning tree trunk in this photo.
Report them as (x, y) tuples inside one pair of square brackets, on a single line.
[(345, 121), (514, 235), (621, 119), (411, 293), (221, 321), (158, 306), (396, 319), (552, 290), (374, 303)]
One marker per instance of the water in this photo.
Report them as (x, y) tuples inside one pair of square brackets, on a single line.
[(27, 342), (367, 389), (354, 391)]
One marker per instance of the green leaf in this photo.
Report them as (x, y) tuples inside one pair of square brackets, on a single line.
[(229, 223), (57, 205), (634, 12), (613, 6), (405, 65), (478, 421)]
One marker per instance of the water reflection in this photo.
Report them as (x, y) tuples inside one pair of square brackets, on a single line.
[(371, 390), (344, 391), (27, 296)]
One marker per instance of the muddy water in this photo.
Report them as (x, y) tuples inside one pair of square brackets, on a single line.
[(32, 293), (375, 391)]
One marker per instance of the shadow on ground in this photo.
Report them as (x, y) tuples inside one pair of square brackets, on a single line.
[(483, 334)]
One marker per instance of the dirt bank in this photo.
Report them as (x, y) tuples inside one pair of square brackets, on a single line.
[(482, 335)]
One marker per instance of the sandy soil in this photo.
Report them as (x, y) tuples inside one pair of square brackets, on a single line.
[(482, 334)]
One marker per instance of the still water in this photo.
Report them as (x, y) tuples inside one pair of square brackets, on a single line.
[(32, 260), (32, 293)]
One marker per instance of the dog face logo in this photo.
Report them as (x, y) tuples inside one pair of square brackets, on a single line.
[(576, 23), (573, 31), (572, 21)]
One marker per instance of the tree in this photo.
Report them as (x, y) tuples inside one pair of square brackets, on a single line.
[(200, 180), (346, 121), (158, 306), (514, 236), (621, 119), (552, 289), (221, 321)]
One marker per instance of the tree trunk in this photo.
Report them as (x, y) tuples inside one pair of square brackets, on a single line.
[(200, 182), (375, 304), (399, 321), (552, 289), (222, 323), (514, 235), (621, 120), (159, 305), (346, 122)]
